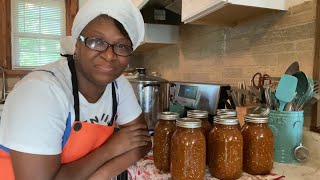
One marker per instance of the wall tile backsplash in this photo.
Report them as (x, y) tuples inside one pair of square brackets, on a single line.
[(266, 44)]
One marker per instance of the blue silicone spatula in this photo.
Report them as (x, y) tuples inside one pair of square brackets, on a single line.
[(286, 90)]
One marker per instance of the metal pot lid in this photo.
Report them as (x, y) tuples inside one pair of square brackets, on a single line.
[(142, 77)]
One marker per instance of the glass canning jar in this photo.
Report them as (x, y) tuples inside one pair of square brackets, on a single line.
[(258, 145), (203, 116), (226, 149), (205, 124), (163, 131), (188, 151)]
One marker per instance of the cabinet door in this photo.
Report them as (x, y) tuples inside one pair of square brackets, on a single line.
[(195, 9), (226, 11)]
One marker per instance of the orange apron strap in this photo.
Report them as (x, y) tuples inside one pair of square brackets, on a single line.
[(6, 170)]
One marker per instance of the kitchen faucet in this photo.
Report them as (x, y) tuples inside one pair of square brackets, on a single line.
[(3, 94)]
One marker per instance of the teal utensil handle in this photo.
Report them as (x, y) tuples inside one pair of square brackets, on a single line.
[(282, 104)]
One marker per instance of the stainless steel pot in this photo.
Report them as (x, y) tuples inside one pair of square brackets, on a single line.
[(152, 94)]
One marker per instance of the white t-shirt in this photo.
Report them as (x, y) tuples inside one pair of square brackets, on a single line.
[(36, 110)]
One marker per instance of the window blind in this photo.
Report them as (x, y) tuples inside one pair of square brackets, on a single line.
[(37, 26)]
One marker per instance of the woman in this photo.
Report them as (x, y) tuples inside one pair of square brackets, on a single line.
[(59, 120)]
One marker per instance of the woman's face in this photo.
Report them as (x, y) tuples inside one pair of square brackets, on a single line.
[(100, 68)]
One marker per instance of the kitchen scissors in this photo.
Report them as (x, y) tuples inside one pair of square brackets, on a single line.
[(261, 80)]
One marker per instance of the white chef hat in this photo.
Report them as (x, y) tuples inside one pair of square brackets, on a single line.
[(123, 11)]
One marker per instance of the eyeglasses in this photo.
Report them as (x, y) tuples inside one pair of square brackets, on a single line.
[(101, 45)]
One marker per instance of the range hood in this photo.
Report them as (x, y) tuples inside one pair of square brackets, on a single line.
[(158, 36), (161, 26), (161, 29), (172, 5)]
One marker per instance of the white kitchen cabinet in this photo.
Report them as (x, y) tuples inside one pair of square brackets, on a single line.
[(226, 12)]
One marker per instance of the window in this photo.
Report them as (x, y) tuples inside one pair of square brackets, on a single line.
[(37, 26)]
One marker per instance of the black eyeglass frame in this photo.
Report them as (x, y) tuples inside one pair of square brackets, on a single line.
[(84, 39)]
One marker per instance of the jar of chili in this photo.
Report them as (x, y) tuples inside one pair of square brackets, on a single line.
[(163, 131), (226, 149), (203, 116), (205, 125), (188, 151), (258, 146)]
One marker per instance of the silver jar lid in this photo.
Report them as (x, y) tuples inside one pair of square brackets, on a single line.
[(255, 118), (217, 118), (189, 123), (197, 114), (227, 121), (168, 115), (226, 112), (224, 117)]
